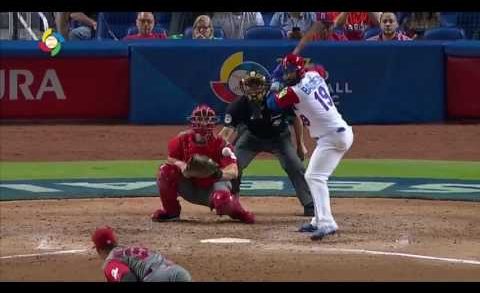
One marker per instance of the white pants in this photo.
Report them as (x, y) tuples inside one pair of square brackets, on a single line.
[(325, 158)]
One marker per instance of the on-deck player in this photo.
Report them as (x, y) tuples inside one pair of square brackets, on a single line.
[(134, 263), (307, 93)]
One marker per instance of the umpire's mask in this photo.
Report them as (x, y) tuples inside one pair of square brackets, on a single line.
[(255, 86)]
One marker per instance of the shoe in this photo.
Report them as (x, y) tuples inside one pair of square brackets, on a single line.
[(309, 211), (247, 217), (322, 232), (307, 228), (162, 216)]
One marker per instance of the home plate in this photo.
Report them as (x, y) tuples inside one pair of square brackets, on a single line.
[(225, 240)]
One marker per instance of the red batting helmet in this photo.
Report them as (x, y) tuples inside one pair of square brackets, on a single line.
[(293, 62), (203, 120), (104, 237)]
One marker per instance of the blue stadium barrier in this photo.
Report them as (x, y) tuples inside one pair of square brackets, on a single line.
[(69, 49), (372, 82)]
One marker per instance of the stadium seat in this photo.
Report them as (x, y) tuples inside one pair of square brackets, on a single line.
[(444, 33), (370, 32), (133, 30), (163, 19), (448, 19), (470, 23), (217, 32), (113, 25), (265, 33), (267, 17)]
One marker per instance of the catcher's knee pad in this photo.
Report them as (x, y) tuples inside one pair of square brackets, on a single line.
[(223, 202), (169, 174), (167, 180)]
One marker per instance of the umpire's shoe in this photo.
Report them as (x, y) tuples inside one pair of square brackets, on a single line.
[(309, 210), (162, 216), (307, 228), (322, 232)]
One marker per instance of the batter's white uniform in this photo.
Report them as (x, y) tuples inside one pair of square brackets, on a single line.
[(311, 101)]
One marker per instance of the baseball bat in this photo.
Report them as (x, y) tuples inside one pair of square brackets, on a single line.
[(316, 27)]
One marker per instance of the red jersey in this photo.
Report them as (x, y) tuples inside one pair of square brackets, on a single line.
[(161, 36), (183, 147), (356, 24)]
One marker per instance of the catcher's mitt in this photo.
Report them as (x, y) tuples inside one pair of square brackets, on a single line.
[(201, 166)]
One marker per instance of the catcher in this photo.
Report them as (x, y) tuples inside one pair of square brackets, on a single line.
[(199, 168)]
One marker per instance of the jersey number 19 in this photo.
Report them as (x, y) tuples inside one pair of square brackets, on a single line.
[(324, 98)]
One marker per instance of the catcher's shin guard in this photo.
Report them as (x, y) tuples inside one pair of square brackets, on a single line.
[(167, 182), (225, 203)]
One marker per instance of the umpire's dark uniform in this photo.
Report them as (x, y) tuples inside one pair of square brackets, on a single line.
[(260, 130)]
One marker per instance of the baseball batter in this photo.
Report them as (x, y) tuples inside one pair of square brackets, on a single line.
[(199, 168), (307, 93), (133, 263)]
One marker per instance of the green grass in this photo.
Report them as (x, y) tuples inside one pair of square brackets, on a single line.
[(347, 168)]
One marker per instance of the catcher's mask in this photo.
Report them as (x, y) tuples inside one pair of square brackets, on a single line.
[(203, 120), (293, 68), (255, 86)]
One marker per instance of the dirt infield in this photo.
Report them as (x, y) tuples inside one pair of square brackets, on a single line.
[(369, 228)]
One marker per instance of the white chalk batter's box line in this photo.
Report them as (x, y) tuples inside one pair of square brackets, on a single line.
[(317, 249)]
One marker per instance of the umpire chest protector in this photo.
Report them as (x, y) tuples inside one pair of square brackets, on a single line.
[(260, 121)]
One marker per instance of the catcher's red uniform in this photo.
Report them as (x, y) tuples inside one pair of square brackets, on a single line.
[(183, 147), (220, 197)]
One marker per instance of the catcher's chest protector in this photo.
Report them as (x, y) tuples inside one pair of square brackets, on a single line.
[(211, 149)]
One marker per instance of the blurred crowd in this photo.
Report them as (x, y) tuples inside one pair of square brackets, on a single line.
[(333, 26)]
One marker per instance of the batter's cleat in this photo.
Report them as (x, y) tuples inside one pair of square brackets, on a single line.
[(322, 232), (309, 211), (307, 228), (162, 216)]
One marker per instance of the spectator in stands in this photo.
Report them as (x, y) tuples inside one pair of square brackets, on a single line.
[(203, 28), (235, 24), (354, 24), (417, 23), (323, 28), (389, 26), (85, 31), (181, 20), (145, 25), (294, 23)]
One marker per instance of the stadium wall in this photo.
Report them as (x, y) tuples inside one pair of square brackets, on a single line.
[(463, 77), (160, 82), (87, 80)]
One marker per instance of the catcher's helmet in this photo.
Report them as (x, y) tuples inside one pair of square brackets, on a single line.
[(293, 67), (255, 86), (104, 237), (203, 120)]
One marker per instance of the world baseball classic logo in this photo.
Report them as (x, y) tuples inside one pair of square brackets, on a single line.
[(51, 42), (232, 71)]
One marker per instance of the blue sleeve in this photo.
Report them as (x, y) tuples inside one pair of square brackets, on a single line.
[(272, 104)]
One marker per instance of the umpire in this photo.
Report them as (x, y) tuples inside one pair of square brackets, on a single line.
[(261, 130)]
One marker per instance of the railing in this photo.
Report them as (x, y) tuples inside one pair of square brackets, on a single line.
[(18, 22)]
